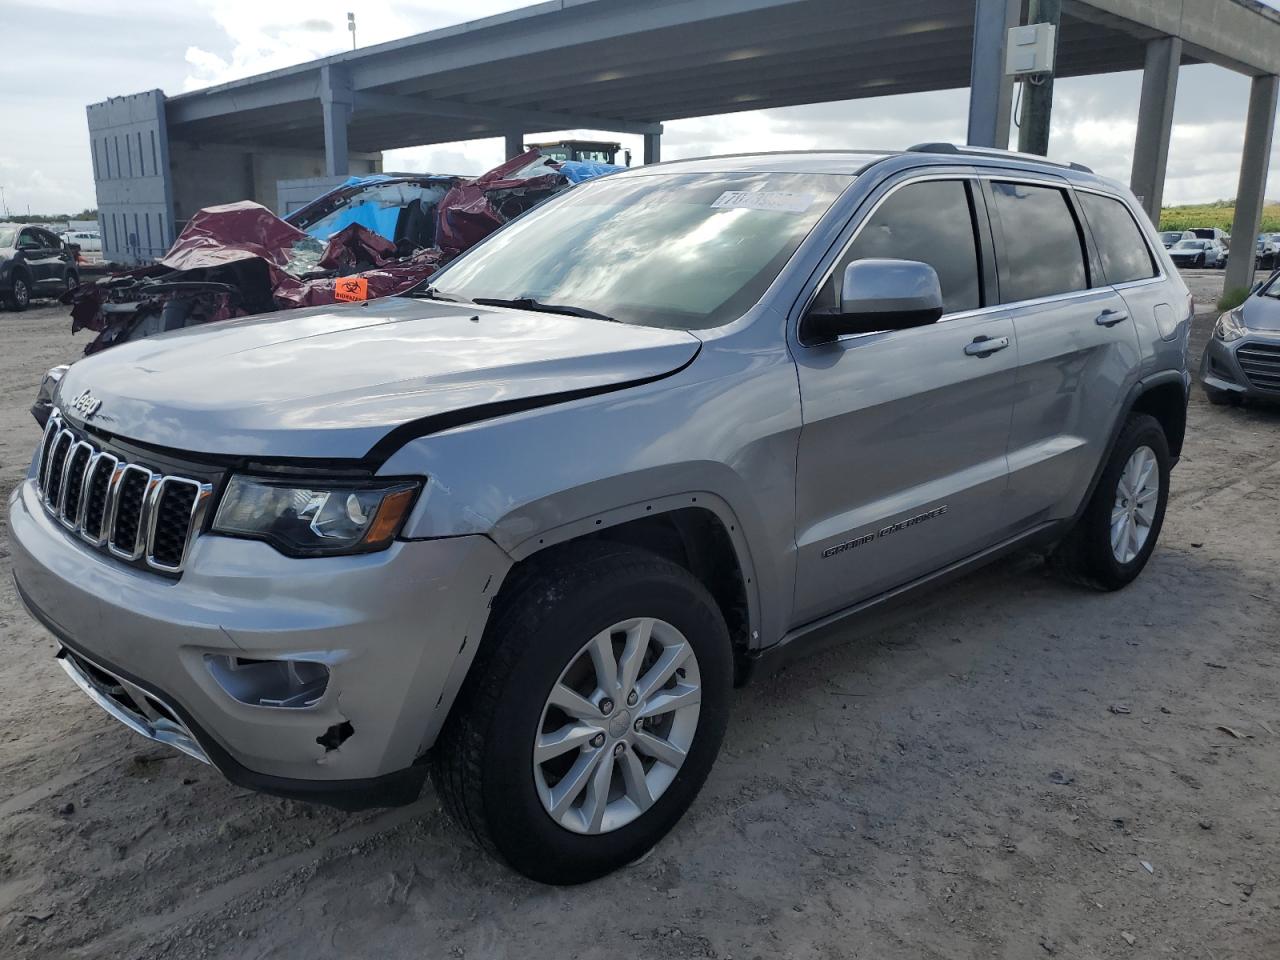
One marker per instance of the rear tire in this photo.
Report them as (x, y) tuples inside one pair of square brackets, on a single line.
[(1115, 536), (547, 620)]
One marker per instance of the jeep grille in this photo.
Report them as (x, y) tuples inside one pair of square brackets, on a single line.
[(126, 509)]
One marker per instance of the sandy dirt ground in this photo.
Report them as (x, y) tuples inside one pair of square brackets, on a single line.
[(1015, 769)]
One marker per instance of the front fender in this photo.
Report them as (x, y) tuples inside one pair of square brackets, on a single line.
[(721, 435)]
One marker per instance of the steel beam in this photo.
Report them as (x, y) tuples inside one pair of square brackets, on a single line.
[(990, 90), (507, 116), (336, 100), (1155, 123), (1258, 134)]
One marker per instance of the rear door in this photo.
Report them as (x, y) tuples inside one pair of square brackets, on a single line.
[(901, 463), (1077, 346)]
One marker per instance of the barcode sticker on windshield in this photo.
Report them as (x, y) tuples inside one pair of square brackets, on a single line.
[(764, 200)]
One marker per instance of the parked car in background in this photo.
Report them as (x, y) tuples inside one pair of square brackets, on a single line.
[(1171, 237), (1213, 233), (33, 263), (1243, 356), (1267, 252), (89, 242), (1198, 253), (525, 526)]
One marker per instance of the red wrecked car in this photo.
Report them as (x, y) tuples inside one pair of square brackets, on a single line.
[(371, 237)]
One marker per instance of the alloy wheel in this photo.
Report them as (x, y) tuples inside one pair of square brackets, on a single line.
[(1137, 495), (617, 726), (21, 295)]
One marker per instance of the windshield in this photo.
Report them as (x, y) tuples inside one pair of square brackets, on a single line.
[(8, 235), (685, 251), (1172, 237), (1190, 245)]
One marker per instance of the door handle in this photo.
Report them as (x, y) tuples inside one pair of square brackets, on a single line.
[(986, 346), (1109, 318)]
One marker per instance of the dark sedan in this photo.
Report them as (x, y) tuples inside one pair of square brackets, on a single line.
[(33, 263), (1198, 253)]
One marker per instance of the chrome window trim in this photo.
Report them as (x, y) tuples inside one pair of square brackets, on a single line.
[(1052, 182)]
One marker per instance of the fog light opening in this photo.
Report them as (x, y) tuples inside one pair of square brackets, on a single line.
[(270, 683)]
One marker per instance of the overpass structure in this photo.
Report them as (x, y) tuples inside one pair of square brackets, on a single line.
[(626, 67)]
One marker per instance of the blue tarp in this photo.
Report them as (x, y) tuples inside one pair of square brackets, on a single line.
[(578, 170)]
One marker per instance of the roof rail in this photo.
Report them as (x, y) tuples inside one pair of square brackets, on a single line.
[(943, 147)]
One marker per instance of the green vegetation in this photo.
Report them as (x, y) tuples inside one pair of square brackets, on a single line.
[(1232, 299), (50, 217), (1220, 213)]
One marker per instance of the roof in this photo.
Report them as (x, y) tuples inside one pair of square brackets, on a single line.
[(624, 66)]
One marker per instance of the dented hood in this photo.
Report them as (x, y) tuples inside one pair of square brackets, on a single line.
[(331, 382)]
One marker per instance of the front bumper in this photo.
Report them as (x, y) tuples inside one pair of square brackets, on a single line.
[(397, 631), (1248, 367)]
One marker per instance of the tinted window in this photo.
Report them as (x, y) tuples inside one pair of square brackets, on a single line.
[(28, 240), (1123, 252), (1043, 253), (929, 222)]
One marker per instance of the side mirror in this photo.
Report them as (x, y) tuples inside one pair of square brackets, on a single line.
[(878, 295)]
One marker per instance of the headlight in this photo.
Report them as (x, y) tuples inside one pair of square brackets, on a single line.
[(315, 519), (1230, 327)]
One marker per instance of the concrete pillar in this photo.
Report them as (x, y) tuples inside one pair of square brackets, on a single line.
[(515, 143), (1258, 132), (990, 90), (652, 148), (335, 98), (1155, 123)]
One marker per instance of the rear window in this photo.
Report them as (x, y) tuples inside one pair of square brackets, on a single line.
[(1043, 253), (1124, 253)]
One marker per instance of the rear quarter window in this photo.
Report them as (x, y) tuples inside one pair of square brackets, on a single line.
[(1121, 248)]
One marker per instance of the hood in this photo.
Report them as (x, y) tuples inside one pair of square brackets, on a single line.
[(1261, 313), (330, 382)]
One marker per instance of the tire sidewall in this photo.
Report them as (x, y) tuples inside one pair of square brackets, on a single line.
[(521, 829), (1141, 431), (21, 297)]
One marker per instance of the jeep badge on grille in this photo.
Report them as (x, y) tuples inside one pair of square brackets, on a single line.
[(86, 404)]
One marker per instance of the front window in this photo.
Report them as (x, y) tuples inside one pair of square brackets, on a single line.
[(685, 251), (1190, 245)]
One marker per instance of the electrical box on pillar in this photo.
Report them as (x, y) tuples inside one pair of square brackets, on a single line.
[(1032, 49)]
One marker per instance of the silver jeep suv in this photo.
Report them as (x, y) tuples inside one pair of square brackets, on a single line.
[(525, 527)]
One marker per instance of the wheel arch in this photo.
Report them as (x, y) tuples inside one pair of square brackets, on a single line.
[(698, 531), (1162, 395)]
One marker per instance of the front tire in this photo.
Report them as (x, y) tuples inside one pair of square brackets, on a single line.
[(1115, 536), (19, 295), (592, 715)]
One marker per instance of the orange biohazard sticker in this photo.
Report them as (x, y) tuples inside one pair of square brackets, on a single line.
[(351, 288)]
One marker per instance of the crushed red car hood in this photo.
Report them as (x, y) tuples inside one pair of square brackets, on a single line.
[(331, 382)]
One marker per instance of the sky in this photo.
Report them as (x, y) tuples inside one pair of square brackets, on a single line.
[(63, 54)]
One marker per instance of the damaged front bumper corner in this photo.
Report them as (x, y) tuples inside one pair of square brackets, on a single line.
[(395, 631)]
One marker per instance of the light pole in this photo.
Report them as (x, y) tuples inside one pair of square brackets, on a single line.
[(351, 25)]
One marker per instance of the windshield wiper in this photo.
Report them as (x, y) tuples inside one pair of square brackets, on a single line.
[(431, 293), (529, 303)]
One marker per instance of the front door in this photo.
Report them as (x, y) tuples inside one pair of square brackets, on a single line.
[(901, 467)]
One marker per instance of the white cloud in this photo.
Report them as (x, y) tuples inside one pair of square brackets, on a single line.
[(183, 46)]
